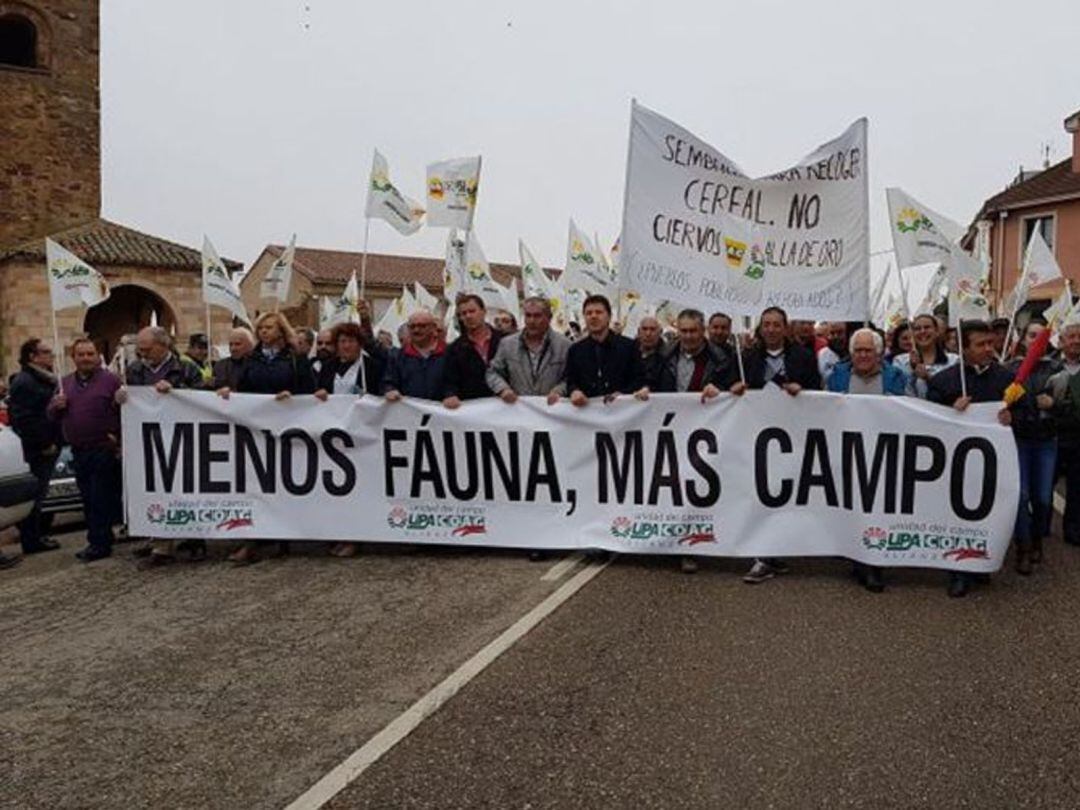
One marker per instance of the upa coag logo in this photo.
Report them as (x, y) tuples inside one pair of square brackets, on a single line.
[(199, 518), (935, 542), (910, 220), (664, 531), (437, 522)]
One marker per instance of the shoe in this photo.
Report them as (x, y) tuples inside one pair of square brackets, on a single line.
[(245, 555), (1023, 557), (537, 556), (688, 565), (872, 579), (779, 566), (93, 554), (41, 546), (156, 561), (9, 562), (759, 572), (1037, 550), (345, 550), (958, 585), (143, 551), (597, 555), (194, 548)]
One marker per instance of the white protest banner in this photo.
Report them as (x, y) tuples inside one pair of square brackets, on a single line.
[(804, 234), (385, 202), (884, 480), (72, 282), (452, 188), (218, 289)]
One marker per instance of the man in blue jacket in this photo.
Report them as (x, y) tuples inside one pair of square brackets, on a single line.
[(418, 369)]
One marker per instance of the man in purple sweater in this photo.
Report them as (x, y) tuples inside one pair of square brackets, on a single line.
[(89, 416)]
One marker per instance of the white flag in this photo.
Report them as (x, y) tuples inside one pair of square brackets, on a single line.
[(385, 202), (584, 268), (392, 320), (450, 324), (409, 304), (895, 312), (1060, 308), (218, 289), (454, 268), (425, 299), (478, 278), (933, 293), (278, 279), (346, 307), (967, 294), (1039, 263), (510, 301), (878, 294), (920, 235), (327, 309), (72, 282), (452, 187)]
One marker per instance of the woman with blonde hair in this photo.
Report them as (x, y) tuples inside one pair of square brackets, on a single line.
[(273, 367)]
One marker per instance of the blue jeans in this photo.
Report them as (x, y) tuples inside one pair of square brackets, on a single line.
[(97, 472), (1038, 460)]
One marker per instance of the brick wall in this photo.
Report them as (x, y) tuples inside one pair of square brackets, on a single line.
[(50, 123)]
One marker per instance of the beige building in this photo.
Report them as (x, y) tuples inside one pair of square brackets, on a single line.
[(318, 273), (50, 185), (150, 280)]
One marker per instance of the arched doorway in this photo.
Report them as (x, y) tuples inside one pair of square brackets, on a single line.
[(129, 308)]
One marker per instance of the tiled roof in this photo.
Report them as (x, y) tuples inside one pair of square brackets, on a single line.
[(101, 242), (383, 270), (1057, 181)]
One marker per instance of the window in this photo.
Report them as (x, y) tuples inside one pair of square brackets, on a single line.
[(18, 41), (1045, 224)]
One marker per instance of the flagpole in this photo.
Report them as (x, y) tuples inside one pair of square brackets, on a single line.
[(960, 339), (209, 335), (738, 357), (57, 348), (363, 257)]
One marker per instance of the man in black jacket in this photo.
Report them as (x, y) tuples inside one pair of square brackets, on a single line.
[(468, 357), (986, 381), (776, 360), (603, 364), (32, 388)]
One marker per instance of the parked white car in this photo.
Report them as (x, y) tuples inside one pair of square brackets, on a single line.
[(17, 485)]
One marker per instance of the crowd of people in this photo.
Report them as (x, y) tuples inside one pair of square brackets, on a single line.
[(491, 357)]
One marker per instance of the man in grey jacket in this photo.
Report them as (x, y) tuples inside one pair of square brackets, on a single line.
[(532, 362)]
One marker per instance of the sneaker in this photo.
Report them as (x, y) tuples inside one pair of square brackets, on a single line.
[(156, 561), (759, 572), (7, 561), (688, 565), (779, 566)]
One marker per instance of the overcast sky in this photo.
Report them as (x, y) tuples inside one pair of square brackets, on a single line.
[(250, 120)]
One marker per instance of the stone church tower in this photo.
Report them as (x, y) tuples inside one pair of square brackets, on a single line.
[(50, 117)]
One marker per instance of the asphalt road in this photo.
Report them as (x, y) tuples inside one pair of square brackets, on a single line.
[(209, 686), (656, 689)]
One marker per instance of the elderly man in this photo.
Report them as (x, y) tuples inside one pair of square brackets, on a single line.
[(1065, 389), (89, 416), (866, 373), (651, 348), (418, 368), (776, 360), (533, 362), (695, 366), (986, 381), (227, 370), (159, 367)]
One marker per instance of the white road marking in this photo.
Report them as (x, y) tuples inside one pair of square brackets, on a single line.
[(1059, 504), (398, 729), (562, 567)]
